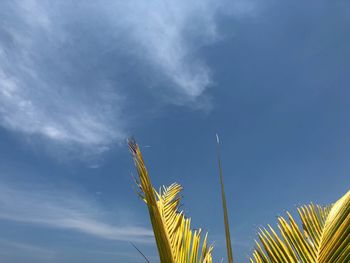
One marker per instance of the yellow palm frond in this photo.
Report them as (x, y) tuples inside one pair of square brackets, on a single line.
[(323, 238), (175, 240)]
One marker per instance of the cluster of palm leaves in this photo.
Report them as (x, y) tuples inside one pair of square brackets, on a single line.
[(323, 237)]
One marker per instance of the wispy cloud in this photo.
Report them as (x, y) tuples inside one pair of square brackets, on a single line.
[(56, 80), (64, 210), (9, 248), (44, 88), (168, 35)]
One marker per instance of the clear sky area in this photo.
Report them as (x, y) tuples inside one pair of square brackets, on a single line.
[(77, 78)]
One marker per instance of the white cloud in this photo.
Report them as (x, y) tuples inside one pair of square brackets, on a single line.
[(40, 110), (53, 80), (40, 93), (166, 32), (63, 210), (169, 35)]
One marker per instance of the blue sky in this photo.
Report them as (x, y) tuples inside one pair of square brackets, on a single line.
[(79, 77)]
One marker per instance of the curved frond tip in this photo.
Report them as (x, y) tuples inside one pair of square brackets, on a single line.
[(175, 240), (323, 238)]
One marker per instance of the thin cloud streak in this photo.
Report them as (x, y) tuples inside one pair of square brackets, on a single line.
[(7, 247), (63, 210)]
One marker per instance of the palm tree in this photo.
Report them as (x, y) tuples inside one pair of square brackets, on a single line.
[(324, 235)]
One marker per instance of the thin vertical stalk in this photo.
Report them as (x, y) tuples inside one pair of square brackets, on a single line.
[(224, 206)]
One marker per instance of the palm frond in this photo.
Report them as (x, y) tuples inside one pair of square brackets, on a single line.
[(323, 238), (175, 240)]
